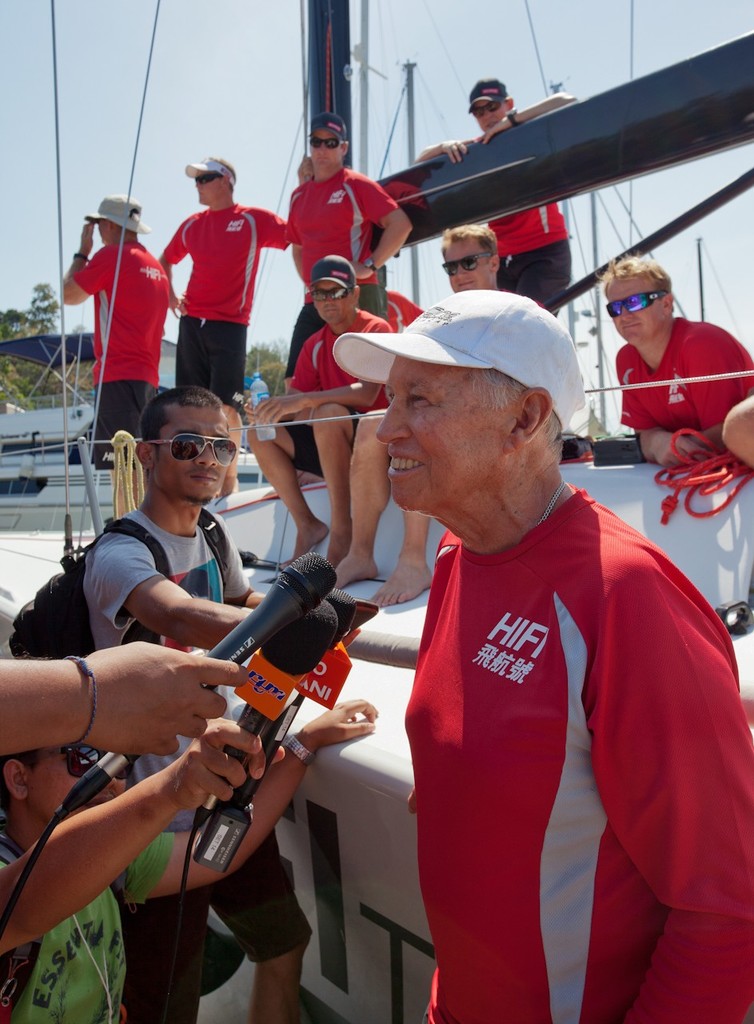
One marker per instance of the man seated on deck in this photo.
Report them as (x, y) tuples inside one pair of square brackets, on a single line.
[(77, 967), (535, 257), (471, 262), (185, 450), (322, 392), (662, 347)]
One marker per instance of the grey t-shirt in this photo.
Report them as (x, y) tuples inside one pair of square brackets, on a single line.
[(118, 564)]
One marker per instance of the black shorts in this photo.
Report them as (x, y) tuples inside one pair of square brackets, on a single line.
[(120, 405), (308, 323), (258, 905), (305, 454), (212, 355), (539, 274)]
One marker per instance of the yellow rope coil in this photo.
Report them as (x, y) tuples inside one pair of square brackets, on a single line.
[(127, 468)]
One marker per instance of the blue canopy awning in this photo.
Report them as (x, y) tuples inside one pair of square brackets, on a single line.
[(45, 349)]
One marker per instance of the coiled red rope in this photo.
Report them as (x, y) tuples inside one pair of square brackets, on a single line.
[(701, 476)]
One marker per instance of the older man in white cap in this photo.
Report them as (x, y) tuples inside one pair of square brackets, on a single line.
[(130, 292), (584, 773), (224, 242)]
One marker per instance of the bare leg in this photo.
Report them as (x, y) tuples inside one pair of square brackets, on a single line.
[(370, 491), (411, 575), (334, 441), (275, 459), (230, 484), (738, 430), (275, 993)]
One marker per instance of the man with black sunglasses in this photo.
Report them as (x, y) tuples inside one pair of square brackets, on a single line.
[(130, 293), (335, 211), (535, 257), (185, 449), (324, 393), (663, 347), (224, 242)]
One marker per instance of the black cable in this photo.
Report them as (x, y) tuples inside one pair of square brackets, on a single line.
[(28, 867), (179, 920)]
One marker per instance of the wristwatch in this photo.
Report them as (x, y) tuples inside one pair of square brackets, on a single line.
[(369, 262), (297, 748), (512, 119)]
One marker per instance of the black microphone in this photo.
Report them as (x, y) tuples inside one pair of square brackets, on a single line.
[(293, 652), (298, 589), (272, 734)]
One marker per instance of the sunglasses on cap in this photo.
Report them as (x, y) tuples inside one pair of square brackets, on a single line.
[(204, 179), (633, 303), (80, 758), (320, 295), (465, 263), (187, 447), (330, 143), (485, 108)]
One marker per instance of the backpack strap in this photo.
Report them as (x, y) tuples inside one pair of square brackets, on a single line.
[(217, 539), (16, 964), (130, 528)]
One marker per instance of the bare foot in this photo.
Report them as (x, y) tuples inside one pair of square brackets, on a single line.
[(406, 582), (308, 538), (354, 568), (338, 547)]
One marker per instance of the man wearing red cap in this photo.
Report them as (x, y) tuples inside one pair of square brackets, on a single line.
[(334, 212), (224, 242), (535, 257)]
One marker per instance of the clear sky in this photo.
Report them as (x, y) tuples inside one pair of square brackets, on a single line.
[(226, 79)]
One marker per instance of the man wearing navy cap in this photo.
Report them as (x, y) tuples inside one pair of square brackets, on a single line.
[(224, 242), (535, 257), (335, 211), (323, 392)]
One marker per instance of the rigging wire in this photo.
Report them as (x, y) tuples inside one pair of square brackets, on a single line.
[(392, 130), (121, 242), (536, 47), (444, 47), (67, 523)]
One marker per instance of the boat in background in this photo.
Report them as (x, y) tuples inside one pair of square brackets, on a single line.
[(38, 441)]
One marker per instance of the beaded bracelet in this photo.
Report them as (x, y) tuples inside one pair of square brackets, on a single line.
[(86, 671)]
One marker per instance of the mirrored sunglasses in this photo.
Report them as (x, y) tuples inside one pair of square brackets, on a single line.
[(330, 143), (633, 303), (465, 263), (187, 447), (204, 179), (321, 295)]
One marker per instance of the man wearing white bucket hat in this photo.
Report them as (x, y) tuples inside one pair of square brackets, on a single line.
[(130, 292), (584, 772)]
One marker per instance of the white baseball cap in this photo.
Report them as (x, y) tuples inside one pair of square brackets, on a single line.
[(122, 210), (211, 165), (492, 329)]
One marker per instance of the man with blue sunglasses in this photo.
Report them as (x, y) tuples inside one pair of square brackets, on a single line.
[(663, 347)]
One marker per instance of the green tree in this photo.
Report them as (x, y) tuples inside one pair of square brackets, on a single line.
[(270, 359), (20, 379)]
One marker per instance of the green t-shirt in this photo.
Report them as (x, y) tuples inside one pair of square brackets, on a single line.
[(64, 985)]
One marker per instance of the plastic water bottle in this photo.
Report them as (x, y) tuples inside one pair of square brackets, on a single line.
[(258, 393)]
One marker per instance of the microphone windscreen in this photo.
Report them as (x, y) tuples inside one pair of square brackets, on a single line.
[(345, 608), (310, 576), (298, 647)]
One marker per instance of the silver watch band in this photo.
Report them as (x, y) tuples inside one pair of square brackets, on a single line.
[(297, 748)]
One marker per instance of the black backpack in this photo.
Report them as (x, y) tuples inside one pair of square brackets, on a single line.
[(56, 622)]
